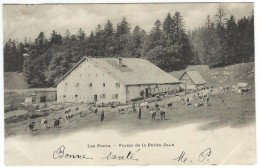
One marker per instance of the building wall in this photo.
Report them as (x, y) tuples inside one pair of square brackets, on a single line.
[(134, 91), (186, 80), (75, 87), (45, 96)]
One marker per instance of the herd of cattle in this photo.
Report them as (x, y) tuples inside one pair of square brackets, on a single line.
[(197, 97)]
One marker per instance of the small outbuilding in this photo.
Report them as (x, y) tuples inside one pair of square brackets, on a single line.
[(191, 80), (42, 95)]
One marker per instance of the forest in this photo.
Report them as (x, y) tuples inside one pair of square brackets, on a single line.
[(221, 41)]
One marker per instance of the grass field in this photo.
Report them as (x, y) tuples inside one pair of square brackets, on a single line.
[(14, 81), (235, 111)]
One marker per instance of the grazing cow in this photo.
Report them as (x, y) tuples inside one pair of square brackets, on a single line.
[(187, 99), (239, 91), (234, 88), (43, 123), (144, 104), (169, 105), (67, 111), (242, 85), (198, 104)]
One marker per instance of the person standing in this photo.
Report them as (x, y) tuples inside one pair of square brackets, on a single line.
[(153, 113), (139, 113), (102, 115), (162, 112)]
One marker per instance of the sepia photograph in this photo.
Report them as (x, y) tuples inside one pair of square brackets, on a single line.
[(129, 84)]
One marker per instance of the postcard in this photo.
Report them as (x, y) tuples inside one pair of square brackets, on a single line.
[(129, 84)]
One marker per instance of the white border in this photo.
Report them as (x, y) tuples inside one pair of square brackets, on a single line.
[(257, 61)]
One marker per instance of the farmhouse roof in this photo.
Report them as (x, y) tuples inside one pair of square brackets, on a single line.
[(132, 71), (195, 77)]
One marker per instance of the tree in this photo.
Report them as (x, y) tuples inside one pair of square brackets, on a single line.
[(178, 28), (56, 38), (168, 24), (11, 56), (123, 28), (231, 40), (81, 34), (122, 38)]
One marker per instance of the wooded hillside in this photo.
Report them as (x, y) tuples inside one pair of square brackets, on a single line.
[(221, 41)]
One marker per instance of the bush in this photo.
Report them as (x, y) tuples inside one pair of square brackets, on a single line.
[(37, 114), (15, 119)]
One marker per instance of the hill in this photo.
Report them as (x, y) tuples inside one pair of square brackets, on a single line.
[(14, 81), (229, 75)]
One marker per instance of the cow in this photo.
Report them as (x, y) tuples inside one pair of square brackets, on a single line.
[(169, 105), (198, 104)]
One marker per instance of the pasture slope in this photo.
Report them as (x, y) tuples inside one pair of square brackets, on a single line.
[(229, 75)]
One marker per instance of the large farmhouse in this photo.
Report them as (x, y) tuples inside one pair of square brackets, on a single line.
[(113, 80)]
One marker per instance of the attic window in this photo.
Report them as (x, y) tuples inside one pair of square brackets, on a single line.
[(117, 85)]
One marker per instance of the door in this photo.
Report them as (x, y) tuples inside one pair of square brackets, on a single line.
[(43, 99), (146, 92), (95, 97)]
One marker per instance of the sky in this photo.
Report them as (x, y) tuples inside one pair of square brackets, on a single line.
[(22, 21)]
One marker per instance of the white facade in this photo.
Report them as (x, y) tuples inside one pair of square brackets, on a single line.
[(87, 83)]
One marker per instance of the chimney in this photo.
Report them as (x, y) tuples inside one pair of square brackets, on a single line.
[(120, 61)]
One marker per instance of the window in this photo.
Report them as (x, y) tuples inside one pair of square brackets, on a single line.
[(76, 96), (114, 96), (66, 84), (117, 85), (104, 85), (96, 74), (102, 96), (79, 75), (76, 84), (90, 84)]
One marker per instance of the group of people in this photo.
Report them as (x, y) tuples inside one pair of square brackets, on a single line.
[(153, 111)]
